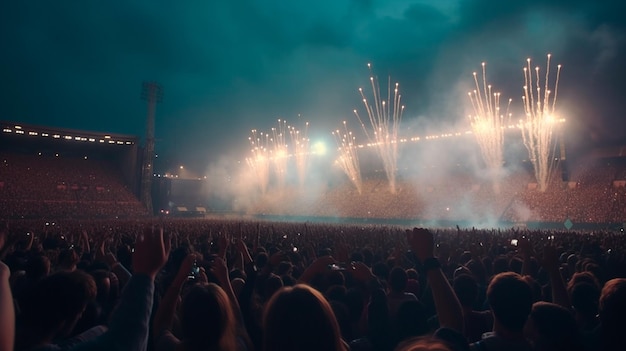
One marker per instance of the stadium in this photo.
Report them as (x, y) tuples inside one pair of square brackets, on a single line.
[(58, 174)]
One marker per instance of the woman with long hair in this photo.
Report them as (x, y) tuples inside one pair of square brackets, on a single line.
[(299, 318), (207, 314)]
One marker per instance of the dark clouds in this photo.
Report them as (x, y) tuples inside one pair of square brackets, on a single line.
[(230, 66)]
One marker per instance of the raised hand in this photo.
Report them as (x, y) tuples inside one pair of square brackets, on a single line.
[(243, 250), (223, 243), (220, 270), (361, 272), (421, 242), (185, 269), (151, 252), (318, 266), (525, 247)]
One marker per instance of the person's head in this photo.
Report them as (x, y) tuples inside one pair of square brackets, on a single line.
[(398, 279), (56, 302), (612, 306), (582, 277), (585, 297), (466, 289), (510, 298), (460, 271), (552, 327), (261, 259), (68, 259), (207, 319), (37, 267), (298, 318), (423, 344)]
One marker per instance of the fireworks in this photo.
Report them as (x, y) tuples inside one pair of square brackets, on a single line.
[(271, 151), (384, 116), (280, 151), (300, 146), (348, 159), (259, 161), (538, 127), (488, 123)]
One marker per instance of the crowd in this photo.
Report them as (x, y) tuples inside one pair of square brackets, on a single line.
[(588, 197), (83, 267), (164, 284), (34, 186), (51, 186)]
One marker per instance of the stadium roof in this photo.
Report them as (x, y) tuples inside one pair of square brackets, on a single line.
[(17, 128)]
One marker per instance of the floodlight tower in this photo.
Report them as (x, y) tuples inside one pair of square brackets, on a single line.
[(153, 94)]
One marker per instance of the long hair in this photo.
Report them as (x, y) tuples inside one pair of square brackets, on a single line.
[(207, 319), (300, 319)]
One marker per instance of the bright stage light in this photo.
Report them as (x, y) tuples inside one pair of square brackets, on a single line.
[(319, 148)]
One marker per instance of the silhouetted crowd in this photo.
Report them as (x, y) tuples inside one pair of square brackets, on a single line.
[(165, 284), (47, 186)]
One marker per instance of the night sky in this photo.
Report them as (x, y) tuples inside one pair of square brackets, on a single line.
[(230, 66)]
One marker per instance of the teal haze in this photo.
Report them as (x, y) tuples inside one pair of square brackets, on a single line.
[(230, 66)]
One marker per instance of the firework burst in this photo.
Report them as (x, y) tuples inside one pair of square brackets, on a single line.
[(348, 159), (300, 151), (538, 128), (384, 116), (488, 123), (259, 160), (280, 151)]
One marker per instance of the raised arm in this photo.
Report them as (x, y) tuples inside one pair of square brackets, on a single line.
[(7, 310), (220, 270), (164, 317), (449, 311), (526, 250), (551, 265), (129, 325), (84, 243)]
